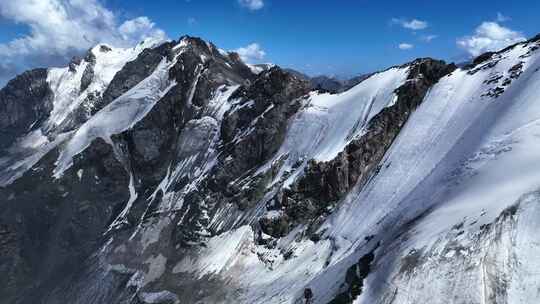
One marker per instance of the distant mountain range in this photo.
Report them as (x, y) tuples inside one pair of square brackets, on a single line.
[(328, 83)]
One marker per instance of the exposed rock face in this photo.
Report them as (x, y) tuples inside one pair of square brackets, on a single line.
[(24, 102), (253, 130), (354, 279), (87, 76), (50, 240)]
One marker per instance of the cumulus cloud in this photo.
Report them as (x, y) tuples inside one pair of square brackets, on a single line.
[(489, 36), (60, 29), (413, 24), (138, 29), (405, 46), (252, 4), (251, 53)]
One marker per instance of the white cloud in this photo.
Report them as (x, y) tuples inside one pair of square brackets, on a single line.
[(502, 18), (405, 46), (252, 4), (428, 38), (413, 24), (138, 29), (60, 29), (489, 36), (250, 53)]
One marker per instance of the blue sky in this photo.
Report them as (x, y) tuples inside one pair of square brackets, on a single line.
[(341, 37), (317, 37)]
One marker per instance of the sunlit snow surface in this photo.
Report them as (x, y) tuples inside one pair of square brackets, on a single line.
[(344, 116)]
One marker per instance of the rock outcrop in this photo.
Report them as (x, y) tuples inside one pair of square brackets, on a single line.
[(24, 102)]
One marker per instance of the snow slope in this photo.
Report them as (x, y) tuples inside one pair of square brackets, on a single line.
[(120, 115), (67, 98), (329, 122), (66, 85), (462, 159)]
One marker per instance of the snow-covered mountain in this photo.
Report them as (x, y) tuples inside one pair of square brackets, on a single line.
[(175, 173)]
